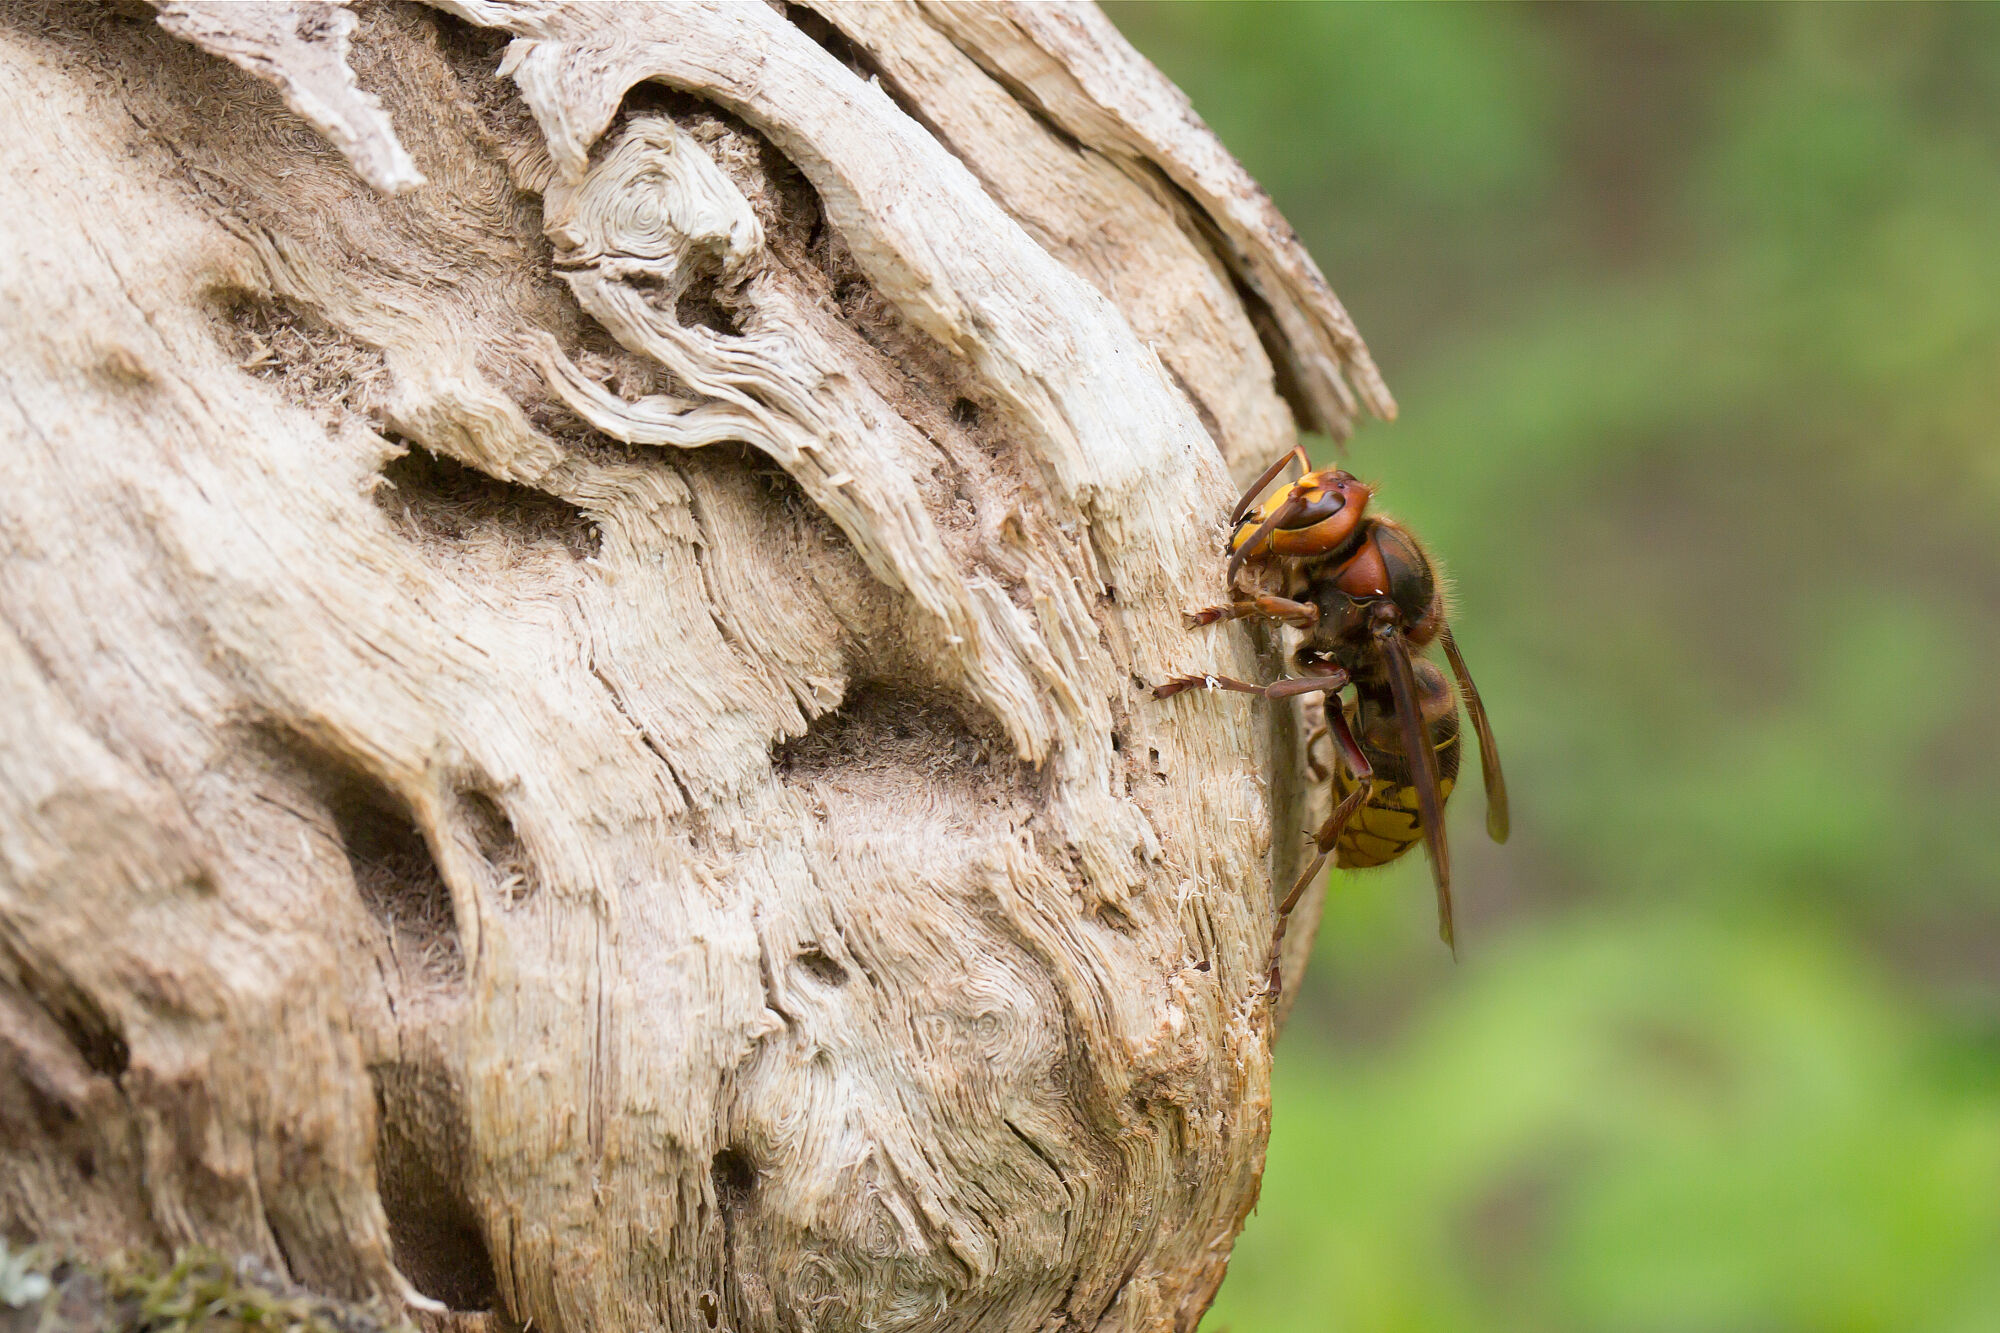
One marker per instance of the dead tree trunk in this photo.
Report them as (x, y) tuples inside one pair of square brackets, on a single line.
[(579, 586)]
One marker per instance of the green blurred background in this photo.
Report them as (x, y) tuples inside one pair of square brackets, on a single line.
[(1694, 316)]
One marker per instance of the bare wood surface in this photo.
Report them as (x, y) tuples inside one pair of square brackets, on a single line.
[(575, 654), (1069, 64)]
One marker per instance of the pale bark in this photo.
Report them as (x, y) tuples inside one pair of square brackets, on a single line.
[(574, 733)]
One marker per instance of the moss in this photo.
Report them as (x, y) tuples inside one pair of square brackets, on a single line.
[(201, 1291)]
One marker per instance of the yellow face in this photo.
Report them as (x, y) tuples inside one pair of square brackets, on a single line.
[(1320, 510), (1255, 518)]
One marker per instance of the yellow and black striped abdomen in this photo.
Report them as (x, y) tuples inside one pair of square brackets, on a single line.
[(1388, 823)]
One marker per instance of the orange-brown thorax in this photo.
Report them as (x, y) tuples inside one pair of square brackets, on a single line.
[(1365, 574), (1388, 564)]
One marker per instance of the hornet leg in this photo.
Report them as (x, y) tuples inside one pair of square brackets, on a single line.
[(1289, 688), (1301, 615)]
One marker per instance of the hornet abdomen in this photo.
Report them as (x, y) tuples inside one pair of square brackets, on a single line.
[(1388, 822)]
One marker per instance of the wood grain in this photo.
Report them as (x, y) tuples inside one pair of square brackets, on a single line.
[(575, 737)]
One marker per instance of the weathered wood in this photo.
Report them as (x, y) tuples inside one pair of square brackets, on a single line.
[(574, 735)]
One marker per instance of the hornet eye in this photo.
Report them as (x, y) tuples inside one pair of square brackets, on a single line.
[(1318, 510)]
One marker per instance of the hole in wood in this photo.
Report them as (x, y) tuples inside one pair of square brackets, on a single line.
[(311, 363), (831, 39), (397, 877), (420, 1150), (90, 1031), (500, 846), (698, 305), (1115, 917), (441, 503), (473, 52), (822, 968), (880, 725), (734, 1179)]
